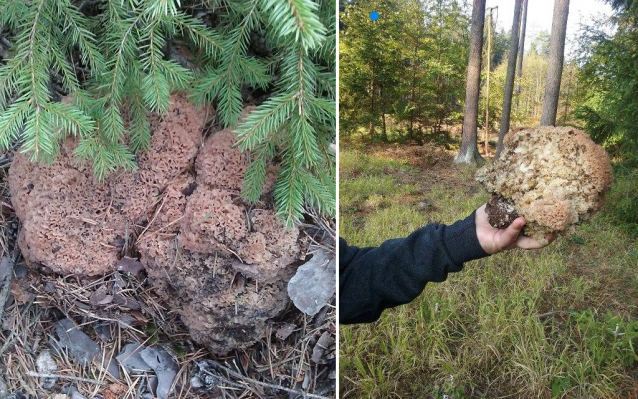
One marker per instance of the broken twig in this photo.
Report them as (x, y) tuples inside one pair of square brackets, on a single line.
[(263, 384), (6, 274)]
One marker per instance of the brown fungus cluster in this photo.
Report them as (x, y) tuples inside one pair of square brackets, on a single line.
[(555, 177), (223, 266)]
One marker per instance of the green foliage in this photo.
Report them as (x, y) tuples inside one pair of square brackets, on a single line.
[(540, 44), (300, 118), (608, 339), (404, 73), (119, 56), (610, 79), (622, 201), (500, 45), (528, 103)]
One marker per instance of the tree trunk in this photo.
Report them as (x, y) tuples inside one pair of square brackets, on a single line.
[(440, 99), (413, 84), (469, 151), (521, 52), (488, 70), (555, 67), (385, 130), (509, 79), (373, 89)]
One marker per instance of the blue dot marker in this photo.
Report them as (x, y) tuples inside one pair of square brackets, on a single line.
[(374, 15)]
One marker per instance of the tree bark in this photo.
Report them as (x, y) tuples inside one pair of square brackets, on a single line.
[(469, 150), (384, 128), (555, 67), (521, 52), (413, 83), (370, 124), (509, 79), (488, 71)]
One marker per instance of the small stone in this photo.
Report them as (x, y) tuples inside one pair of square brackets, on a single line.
[(196, 382), (46, 365), (424, 205), (20, 271)]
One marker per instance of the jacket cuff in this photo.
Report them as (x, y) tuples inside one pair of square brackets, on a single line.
[(462, 243)]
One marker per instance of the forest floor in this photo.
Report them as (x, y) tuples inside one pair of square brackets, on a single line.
[(558, 322), (292, 360)]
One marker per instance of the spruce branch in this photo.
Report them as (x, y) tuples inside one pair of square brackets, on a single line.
[(318, 194), (120, 62), (224, 82), (11, 121), (267, 118), (304, 140), (69, 118), (206, 39), (155, 85), (298, 19), (289, 190), (77, 24), (139, 126), (256, 173), (161, 8), (37, 72), (9, 74)]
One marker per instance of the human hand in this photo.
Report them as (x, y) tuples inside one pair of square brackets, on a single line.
[(495, 240)]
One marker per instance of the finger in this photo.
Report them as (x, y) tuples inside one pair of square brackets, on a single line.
[(528, 243), (510, 235), (481, 215)]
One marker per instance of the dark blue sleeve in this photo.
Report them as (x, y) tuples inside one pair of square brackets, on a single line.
[(378, 278)]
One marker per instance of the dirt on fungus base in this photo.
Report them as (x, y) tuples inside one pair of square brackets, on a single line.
[(501, 212), (222, 265), (556, 177)]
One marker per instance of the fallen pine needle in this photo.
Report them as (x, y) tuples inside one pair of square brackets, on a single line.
[(64, 377)]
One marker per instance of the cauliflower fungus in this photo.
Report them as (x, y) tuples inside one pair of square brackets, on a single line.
[(555, 177), (222, 265)]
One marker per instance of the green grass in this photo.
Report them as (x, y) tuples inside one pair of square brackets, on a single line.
[(559, 322), (352, 163)]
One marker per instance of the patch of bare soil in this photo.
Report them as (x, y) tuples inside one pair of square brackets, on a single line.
[(435, 165), (125, 274)]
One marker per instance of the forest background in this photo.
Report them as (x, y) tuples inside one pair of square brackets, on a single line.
[(402, 78)]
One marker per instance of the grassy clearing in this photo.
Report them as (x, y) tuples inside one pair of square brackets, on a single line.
[(560, 322)]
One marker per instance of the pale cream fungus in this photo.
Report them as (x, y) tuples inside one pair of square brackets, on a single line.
[(556, 177)]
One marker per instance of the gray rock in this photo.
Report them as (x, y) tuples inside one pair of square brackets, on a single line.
[(131, 358), (82, 348), (314, 283), (165, 368)]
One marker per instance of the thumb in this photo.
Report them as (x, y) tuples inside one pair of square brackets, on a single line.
[(510, 235)]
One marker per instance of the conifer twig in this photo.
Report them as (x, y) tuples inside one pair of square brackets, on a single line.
[(264, 384)]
